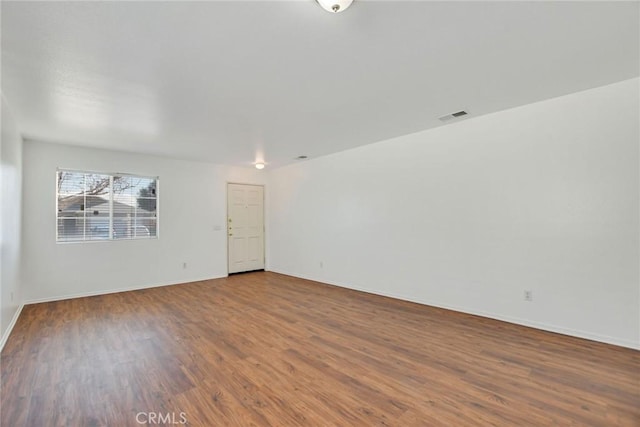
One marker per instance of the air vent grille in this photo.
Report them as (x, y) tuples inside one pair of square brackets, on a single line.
[(452, 116)]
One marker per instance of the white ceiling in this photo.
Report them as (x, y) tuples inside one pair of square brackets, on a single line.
[(235, 82)]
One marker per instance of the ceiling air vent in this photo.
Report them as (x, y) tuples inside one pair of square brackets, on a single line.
[(452, 116)]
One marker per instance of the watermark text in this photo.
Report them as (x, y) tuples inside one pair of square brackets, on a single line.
[(165, 418)]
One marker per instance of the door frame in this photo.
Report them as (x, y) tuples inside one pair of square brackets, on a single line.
[(264, 225)]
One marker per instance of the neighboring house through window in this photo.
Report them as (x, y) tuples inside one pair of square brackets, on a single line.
[(97, 206)]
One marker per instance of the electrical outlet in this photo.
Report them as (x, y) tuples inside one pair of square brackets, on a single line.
[(184, 265), (321, 264), (528, 295), (11, 296)]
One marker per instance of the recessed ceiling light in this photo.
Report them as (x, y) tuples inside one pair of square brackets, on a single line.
[(259, 165)]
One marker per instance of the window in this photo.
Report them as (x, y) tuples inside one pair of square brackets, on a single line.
[(95, 206)]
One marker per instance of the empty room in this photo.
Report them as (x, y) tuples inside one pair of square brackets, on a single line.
[(320, 213)]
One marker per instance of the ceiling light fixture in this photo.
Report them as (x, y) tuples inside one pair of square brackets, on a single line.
[(259, 165), (334, 6)]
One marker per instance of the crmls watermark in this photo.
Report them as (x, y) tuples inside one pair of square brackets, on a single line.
[(161, 418)]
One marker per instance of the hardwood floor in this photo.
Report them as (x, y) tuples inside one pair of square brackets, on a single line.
[(263, 349)]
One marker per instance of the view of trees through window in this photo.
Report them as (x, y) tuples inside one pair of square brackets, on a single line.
[(93, 206)]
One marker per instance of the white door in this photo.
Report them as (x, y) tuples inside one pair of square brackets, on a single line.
[(245, 227)]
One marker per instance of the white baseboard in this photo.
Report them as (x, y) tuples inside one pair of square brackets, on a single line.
[(6, 334), (113, 291), (546, 327), (518, 321)]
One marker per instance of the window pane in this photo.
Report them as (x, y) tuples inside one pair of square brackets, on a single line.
[(69, 205), (152, 226), (71, 229), (123, 207), (135, 211), (97, 185), (146, 212), (146, 187), (97, 229), (70, 183)]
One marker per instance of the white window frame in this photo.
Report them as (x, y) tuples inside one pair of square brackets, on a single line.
[(111, 238)]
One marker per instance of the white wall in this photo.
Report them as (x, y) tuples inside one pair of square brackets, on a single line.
[(10, 218), (192, 201), (467, 216)]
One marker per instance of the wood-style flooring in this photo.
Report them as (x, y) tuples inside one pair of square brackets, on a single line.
[(264, 349)]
